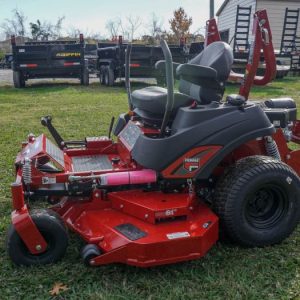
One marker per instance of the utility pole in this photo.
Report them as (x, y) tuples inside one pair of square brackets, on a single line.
[(212, 9)]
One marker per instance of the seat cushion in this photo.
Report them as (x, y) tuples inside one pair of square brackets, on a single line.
[(154, 99)]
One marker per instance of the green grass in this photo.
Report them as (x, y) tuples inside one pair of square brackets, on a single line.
[(227, 272)]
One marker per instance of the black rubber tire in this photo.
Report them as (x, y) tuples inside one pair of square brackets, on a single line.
[(109, 77), (85, 79), (18, 79), (53, 230), (258, 201), (89, 252)]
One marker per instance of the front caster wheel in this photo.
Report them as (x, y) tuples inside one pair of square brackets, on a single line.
[(54, 232), (89, 252), (258, 201)]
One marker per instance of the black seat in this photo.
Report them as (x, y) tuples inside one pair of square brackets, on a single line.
[(151, 101)]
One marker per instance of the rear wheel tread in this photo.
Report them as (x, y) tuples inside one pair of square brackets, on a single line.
[(233, 182)]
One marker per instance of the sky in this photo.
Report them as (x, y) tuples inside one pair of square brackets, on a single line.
[(92, 15)]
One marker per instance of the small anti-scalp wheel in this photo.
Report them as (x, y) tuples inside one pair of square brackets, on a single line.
[(54, 232), (258, 201), (89, 252)]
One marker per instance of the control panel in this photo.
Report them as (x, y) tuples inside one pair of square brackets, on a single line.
[(129, 135)]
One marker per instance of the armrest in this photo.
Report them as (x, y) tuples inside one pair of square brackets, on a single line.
[(161, 65), (196, 71), (199, 75)]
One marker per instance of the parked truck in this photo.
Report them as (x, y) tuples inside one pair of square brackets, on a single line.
[(50, 59)]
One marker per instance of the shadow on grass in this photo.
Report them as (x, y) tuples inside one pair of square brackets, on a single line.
[(226, 272)]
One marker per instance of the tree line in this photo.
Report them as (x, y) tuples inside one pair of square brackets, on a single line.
[(129, 28)]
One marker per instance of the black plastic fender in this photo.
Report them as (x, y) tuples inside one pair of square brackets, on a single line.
[(208, 125)]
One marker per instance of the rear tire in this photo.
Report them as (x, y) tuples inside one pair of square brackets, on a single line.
[(18, 78), (54, 232), (258, 201)]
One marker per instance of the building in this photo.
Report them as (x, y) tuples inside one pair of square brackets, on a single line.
[(276, 11), (5, 46)]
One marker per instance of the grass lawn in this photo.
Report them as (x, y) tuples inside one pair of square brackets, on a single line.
[(227, 272)]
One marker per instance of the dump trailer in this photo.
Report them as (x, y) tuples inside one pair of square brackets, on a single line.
[(111, 60), (50, 59)]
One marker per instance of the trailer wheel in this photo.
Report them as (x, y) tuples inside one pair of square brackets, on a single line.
[(258, 201), (18, 78), (102, 75), (109, 77), (54, 232)]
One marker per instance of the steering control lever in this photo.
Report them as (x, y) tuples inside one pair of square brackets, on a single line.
[(46, 121)]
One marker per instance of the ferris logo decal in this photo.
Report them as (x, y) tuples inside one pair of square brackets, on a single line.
[(191, 164)]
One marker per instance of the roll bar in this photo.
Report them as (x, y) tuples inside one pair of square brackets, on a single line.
[(169, 78), (127, 75), (170, 86)]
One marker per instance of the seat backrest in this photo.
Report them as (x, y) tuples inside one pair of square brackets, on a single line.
[(218, 56)]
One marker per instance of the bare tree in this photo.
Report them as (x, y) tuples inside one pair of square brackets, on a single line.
[(134, 23), (124, 30), (21, 19), (58, 27), (155, 25), (73, 32), (113, 27), (15, 25), (46, 30)]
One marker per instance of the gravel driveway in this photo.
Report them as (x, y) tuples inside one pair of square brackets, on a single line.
[(6, 78)]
